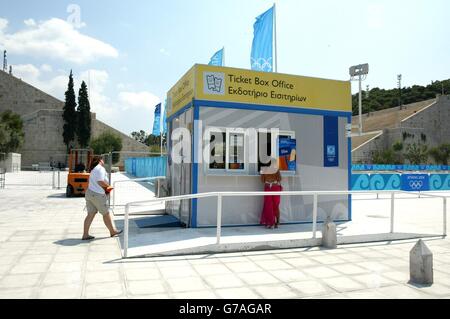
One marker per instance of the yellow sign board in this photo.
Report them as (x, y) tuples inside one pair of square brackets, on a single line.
[(181, 93), (224, 84)]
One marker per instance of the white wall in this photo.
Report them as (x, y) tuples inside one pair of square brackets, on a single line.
[(311, 173)]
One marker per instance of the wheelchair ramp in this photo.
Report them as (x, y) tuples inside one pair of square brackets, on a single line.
[(160, 241)]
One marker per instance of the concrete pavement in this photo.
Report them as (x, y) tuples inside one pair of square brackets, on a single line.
[(42, 256)]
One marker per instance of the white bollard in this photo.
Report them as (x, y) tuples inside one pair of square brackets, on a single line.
[(421, 264), (329, 236)]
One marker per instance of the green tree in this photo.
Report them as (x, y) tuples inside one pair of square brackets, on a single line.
[(417, 154), (107, 142), (441, 154), (140, 136), (384, 157), (391, 155), (4, 136), (11, 132), (83, 131), (398, 146), (69, 114)]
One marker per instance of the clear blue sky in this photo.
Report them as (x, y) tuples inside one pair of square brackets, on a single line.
[(136, 50)]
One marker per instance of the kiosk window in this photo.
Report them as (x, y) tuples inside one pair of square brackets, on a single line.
[(236, 151), (218, 148), (264, 149), (268, 146)]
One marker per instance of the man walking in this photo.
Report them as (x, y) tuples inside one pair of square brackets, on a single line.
[(96, 200)]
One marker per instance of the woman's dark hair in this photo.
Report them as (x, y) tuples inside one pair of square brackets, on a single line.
[(95, 160)]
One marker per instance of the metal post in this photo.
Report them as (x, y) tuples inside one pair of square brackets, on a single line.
[(219, 217), (161, 142), (275, 36), (109, 175), (59, 175), (110, 166), (392, 212), (53, 179), (360, 106), (314, 216), (114, 197), (125, 235), (445, 216)]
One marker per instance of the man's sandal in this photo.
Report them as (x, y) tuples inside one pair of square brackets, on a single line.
[(118, 233)]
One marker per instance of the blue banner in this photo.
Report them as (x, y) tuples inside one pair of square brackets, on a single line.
[(133, 166), (217, 58), (331, 141), (156, 120), (146, 166), (261, 58), (440, 182), (415, 182), (388, 167), (372, 182), (406, 182)]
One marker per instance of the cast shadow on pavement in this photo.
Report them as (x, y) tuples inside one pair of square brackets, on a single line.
[(63, 196), (76, 241)]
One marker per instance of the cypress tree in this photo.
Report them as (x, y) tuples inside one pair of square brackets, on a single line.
[(84, 117), (69, 114)]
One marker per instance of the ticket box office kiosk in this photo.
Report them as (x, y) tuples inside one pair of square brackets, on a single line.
[(221, 119)]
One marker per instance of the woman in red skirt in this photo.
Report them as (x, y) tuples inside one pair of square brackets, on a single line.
[(271, 177)]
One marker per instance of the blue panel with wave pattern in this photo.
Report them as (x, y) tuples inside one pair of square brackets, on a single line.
[(440, 182), (376, 182)]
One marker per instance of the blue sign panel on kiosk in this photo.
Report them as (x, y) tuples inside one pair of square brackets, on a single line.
[(331, 141), (287, 154), (415, 182)]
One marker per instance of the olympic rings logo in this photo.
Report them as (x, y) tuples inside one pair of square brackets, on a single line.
[(415, 184), (262, 64)]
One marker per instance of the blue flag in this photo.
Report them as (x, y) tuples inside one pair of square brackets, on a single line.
[(217, 58), (164, 124), (157, 119), (261, 58)]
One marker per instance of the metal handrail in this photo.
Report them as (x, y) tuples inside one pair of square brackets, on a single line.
[(315, 195), (131, 180)]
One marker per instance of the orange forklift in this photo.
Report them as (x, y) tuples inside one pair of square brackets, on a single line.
[(79, 169)]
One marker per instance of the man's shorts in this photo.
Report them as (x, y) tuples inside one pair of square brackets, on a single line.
[(96, 202)]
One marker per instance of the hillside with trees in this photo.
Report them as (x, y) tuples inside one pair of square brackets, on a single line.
[(380, 99), (153, 141)]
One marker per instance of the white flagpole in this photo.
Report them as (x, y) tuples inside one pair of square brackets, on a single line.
[(275, 36), (160, 127)]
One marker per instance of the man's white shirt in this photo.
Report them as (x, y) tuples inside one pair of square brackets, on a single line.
[(97, 174)]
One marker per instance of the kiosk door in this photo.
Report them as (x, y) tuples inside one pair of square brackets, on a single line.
[(181, 168)]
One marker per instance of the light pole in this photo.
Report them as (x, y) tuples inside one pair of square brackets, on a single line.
[(359, 72), (399, 78)]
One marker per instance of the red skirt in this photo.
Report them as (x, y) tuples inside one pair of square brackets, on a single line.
[(271, 204)]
